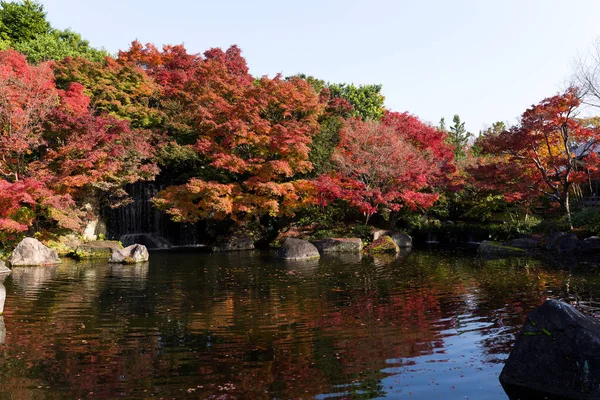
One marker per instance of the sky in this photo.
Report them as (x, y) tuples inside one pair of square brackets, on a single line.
[(484, 60)]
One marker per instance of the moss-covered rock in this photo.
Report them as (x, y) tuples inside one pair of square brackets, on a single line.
[(383, 245), (96, 249)]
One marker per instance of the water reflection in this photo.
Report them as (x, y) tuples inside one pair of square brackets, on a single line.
[(246, 326)]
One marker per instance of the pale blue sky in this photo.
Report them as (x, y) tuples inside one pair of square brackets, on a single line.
[(484, 60)]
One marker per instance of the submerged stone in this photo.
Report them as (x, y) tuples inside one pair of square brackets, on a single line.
[(31, 251), (495, 248), (557, 353)]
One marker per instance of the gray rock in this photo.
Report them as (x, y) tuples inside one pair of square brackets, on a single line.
[(4, 270), (339, 245), (297, 249), (488, 247), (402, 239), (562, 242), (590, 245), (234, 243), (557, 353), (524, 243), (136, 253), (380, 233), (30, 251)]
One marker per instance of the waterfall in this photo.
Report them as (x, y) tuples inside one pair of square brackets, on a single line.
[(140, 222)]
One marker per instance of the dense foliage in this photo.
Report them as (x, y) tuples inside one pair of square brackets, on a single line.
[(227, 145)]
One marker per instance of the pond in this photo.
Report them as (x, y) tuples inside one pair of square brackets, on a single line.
[(428, 325)]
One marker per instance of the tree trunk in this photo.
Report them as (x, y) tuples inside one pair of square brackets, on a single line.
[(567, 209)]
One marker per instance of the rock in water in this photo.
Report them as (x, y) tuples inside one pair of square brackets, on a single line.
[(339, 245), (297, 249), (31, 252), (136, 253), (384, 244), (234, 243), (557, 353), (4, 270)]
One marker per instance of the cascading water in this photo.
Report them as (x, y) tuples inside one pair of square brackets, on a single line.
[(140, 222)]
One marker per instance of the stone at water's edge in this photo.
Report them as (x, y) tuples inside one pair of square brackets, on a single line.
[(234, 243), (297, 249), (31, 252), (97, 249), (384, 244), (4, 270), (136, 253), (401, 239), (557, 353), (339, 245)]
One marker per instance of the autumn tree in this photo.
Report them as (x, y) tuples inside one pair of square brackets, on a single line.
[(53, 149), (545, 155), (394, 163), (243, 140)]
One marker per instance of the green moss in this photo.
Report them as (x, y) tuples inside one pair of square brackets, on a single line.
[(383, 245)]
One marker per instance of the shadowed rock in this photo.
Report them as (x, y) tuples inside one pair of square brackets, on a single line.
[(562, 242), (401, 239), (31, 251), (557, 354), (590, 245), (297, 249), (234, 243), (136, 253), (339, 245)]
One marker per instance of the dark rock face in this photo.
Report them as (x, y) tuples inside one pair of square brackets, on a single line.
[(297, 249), (235, 243), (562, 242), (30, 251), (339, 245), (148, 240), (136, 253), (402, 239), (590, 245), (524, 243), (557, 353)]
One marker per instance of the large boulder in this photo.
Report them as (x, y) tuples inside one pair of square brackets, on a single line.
[(562, 242), (401, 239), (31, 251), (136, 253), (234, 243), (4, 270), (297, 249), (383, 245), (557, 353), (147, 239), (339, 245)]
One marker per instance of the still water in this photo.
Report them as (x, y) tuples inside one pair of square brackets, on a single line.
[(429, 325)]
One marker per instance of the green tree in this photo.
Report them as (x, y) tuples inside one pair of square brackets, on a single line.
[(22, 21), (458, 136), (367, 100), (56, 45)]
